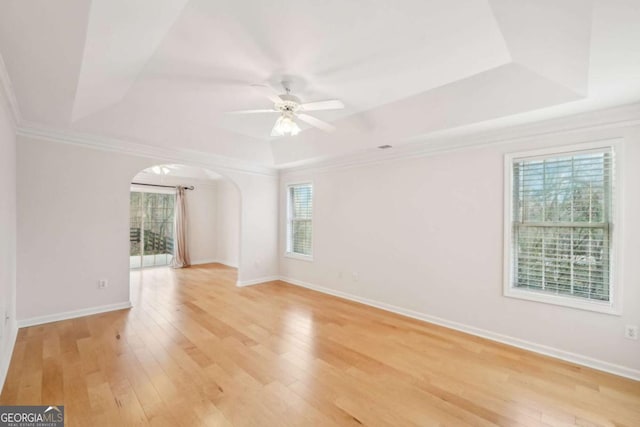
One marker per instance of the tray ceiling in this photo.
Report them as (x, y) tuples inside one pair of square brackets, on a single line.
[(164, 72)]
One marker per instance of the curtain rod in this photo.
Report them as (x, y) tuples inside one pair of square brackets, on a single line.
[(191, 187)]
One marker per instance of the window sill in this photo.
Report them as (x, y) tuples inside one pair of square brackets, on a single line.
[(300, 257), (565, 301)]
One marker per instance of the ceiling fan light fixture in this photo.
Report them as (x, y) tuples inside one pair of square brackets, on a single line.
[(290, 108), (285, 125)]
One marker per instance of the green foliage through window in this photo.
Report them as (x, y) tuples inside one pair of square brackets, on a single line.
[(562, 225), (151, 226), (299, 227)]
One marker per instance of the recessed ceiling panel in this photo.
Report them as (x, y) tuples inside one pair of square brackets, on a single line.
[(549, 37), (366, 53), (499, 92), (42, 44), (121, 37)]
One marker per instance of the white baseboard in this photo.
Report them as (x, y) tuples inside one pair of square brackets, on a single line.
[(241, 283), (5, 358), (578, 359), (213, 261), (23, 323)]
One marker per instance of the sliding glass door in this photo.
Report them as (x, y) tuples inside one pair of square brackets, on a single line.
[(151, 229)]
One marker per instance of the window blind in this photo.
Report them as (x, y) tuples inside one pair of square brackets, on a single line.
[(562, 224), (300, 207)]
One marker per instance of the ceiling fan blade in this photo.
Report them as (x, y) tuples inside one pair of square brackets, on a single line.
[(269, 92), (316, 123), (331, 104), (253, 111)]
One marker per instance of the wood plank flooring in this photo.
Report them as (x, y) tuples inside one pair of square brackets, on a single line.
[(196, 350)]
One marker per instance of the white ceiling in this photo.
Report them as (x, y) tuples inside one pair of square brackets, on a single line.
[(164, 72), (167, 173)]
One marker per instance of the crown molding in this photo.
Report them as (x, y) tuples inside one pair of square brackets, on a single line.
[(437, 142), (217, 163), (8, 94), (440, 142)]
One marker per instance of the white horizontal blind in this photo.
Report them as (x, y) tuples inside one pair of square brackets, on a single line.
[(300, 212), (561, 228)]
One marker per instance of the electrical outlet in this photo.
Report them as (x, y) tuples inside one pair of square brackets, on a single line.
[(354, 276), (103, 283), (631, 332)]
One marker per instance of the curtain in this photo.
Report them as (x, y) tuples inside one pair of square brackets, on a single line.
[(181, 254)]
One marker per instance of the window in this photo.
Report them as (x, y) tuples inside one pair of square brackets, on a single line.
[(559, 230), (299, 219)]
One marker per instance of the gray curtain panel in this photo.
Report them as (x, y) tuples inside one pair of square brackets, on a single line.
[(181, 254)]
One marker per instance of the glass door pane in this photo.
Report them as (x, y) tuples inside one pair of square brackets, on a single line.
[(151, 233), (135, 229)]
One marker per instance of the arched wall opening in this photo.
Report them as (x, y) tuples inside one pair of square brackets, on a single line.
[(84, 238), (213, 216)]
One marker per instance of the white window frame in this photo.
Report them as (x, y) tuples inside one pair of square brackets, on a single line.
[(613, 306), (288, 233)]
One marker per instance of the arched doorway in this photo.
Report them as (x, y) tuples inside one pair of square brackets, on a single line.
[(212, 216)]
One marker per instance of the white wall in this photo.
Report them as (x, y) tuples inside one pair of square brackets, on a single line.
[(73, 226), (424, 236), (213, 211), (7, 236), (259, 229), (227, 237), (202, 219), (73, 216)]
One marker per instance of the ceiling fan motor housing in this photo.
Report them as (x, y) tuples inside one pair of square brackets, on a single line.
[(290, 103)]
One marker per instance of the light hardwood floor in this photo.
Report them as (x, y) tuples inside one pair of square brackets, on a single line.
[(196, 350)]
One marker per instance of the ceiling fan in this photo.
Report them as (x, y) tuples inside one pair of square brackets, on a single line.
[(290, 108)]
